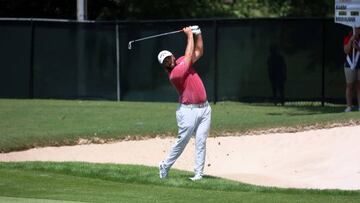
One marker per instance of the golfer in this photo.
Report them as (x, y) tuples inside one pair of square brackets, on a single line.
[(193, 114)]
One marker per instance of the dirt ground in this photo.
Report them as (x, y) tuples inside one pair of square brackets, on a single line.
[(321, 159)]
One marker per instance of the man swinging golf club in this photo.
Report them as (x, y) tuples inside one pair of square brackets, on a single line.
[(193, 114)]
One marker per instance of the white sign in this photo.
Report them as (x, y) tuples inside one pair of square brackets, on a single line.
[(347, 12)]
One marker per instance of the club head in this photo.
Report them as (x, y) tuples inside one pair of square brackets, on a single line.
[(129, 45)]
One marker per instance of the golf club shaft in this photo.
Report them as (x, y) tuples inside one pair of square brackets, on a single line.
[(159, 35), (153, 36)]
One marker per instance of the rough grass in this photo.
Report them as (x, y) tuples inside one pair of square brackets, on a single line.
[(28, 123)]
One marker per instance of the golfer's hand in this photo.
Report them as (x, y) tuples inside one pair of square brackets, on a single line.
[(187, 31), (355, 45), (195, 29)]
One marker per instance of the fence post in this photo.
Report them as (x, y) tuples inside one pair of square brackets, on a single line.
[(323, 64), (31, 75), (81, 10), (118, 89), (215, 62)]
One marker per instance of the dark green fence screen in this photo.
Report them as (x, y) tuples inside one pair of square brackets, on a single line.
[(253, 60)]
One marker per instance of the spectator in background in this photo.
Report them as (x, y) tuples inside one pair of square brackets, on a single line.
[(351, 68), (277, 74)]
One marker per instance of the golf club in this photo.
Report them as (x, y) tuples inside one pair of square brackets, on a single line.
[(153, 36)]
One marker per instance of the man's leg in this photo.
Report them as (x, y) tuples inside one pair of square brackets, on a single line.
[(282, 92), (358, 88), (349, 91), (200, 141), (186, 123), (358, 93), (348, 95), (273, 87), (350, 76)]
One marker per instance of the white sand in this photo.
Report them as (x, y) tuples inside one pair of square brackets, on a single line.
[(322, 159)]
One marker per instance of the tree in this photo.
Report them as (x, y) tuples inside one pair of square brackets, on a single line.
[(300, 8), (165, 9), (38, 9)]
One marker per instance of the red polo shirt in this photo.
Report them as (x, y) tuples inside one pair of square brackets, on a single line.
[(187, 83), (347, 38)]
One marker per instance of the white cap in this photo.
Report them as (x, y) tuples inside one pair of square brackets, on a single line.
[(163, 54)]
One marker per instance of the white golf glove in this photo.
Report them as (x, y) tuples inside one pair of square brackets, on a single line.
[(195, 29)]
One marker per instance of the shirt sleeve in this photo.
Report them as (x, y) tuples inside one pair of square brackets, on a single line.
[(347, 39)]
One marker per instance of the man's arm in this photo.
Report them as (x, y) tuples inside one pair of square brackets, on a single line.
[(190, 45), (181, 69), (353, 42), (348, 46), (199, 48)]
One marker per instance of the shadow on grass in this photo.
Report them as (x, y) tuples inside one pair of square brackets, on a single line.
[(303, 109)]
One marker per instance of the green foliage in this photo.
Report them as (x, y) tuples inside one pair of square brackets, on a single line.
[(165, 9), (187, 9), (38, 9)]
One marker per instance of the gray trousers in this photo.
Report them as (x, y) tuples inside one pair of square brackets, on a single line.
[(191, 119)]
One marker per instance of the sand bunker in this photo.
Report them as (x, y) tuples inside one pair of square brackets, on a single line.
[(322, 159)]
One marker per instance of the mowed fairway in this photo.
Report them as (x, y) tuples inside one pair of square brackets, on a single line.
[(28, 123), (122, 183)]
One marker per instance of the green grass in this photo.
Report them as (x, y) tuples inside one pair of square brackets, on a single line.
[(28, 123), (47, 182), (32, 200)]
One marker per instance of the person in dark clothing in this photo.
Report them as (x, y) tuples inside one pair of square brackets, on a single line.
[(277, 74)]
